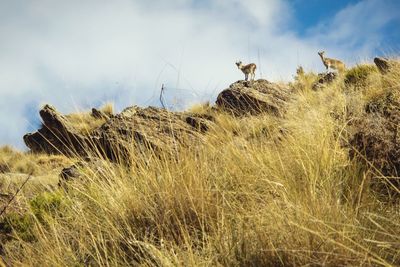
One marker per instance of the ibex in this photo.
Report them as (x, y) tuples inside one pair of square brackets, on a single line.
[(332, 63), (247, 69)]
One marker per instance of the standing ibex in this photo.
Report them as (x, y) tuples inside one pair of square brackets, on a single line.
[(332, 63), (247, 69)]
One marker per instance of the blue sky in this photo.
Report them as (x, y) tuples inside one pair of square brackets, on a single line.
[(78, 54), (308, 13)]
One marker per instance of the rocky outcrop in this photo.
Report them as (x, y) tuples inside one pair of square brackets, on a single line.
[(201, 122), (376, 136), (57, 135), (99, 114), (384, 65), (323, 80), (149, 128), (254, 97), (376, 140)]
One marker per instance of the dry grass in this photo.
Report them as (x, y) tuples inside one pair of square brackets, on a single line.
[(303, 81), (13, 161), (15, 166), (260, 192), (84, 122), (202, 108), (108, 108)]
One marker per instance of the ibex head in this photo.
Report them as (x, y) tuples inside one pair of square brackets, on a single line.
[(321, 53)]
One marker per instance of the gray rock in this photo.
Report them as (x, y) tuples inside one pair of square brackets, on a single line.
[(323, 80), (70, 173), (98, 114), (384, 65), (57, 135), (145, 129), (254, 97)]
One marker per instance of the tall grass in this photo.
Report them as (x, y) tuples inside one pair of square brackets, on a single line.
[(261, 191), (85, 122)]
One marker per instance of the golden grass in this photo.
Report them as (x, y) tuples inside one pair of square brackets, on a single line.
[(13, 161), (108, 108), (304, 81), (202, 108), (261, 191), (16, 166), (84, 122)]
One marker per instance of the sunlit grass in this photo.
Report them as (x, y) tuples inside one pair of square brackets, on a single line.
[(85, 122), (261, 191)]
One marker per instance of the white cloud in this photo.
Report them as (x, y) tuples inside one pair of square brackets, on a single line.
[(358, 28), (74, 54)]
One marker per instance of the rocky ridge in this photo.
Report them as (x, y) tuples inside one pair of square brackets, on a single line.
[(158, 130), (151, 128)]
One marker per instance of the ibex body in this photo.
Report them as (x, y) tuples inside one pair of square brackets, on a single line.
[(247, 69), (332, 63)]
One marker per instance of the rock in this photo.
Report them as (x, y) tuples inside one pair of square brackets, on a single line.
[(254, 97), (149, 128), (384, 65), (57, 135), (328, 77), (70, 173), (377, 141), (98, 114), (323, 80), (201, 122), (144, 129), (75, 171)]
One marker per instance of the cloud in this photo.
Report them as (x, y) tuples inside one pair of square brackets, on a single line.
[(359, 27), (76, 54)]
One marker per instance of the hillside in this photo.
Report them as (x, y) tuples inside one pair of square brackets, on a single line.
[(304, 173)]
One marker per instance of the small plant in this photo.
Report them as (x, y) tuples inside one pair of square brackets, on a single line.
[(23, 225), (45, 203)]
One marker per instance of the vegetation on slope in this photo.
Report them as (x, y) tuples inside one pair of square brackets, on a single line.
[(85, 122), (261, 191)]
